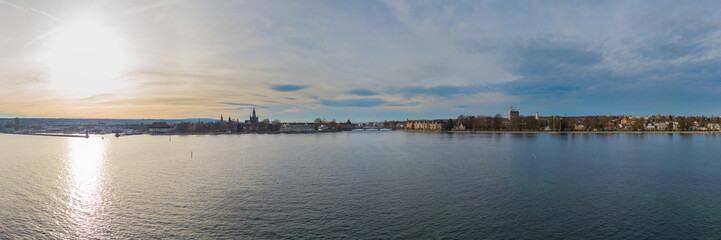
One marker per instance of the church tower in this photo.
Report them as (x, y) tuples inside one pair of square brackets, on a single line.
[(253, 117)]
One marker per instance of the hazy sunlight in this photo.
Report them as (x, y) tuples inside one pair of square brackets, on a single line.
[(85, 58)]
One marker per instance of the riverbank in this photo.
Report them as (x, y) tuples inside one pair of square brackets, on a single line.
[(51, 134), (404, 130), (571, 132)]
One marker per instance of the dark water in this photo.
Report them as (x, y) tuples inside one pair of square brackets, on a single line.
[(362, 185)]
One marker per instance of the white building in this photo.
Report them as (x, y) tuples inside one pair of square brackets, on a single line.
[(297, 128), (159, 127), (425, 125)]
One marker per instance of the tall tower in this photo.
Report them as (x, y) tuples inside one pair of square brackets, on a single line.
[(253, 117), (512, 113), (536, 115)]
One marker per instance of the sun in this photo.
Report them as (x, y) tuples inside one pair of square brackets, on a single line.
[(85, 58)]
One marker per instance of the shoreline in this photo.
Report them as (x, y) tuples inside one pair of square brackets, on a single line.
[(402, 130), (51, 135), (569, 132)]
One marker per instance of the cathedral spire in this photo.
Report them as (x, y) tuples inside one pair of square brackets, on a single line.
[(253, 117)]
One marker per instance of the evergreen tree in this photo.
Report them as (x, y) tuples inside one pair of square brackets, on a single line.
[(449, 125)]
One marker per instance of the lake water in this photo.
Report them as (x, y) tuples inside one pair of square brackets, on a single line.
[(362, 185)]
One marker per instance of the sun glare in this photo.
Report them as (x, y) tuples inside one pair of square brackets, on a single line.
[(85, 58), (86, 174)]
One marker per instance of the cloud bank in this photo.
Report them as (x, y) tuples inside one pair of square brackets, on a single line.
[(375, 60)]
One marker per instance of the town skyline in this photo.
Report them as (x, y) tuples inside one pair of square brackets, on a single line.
[(341, 119), (252, 117), (367, 61), (512, 122)]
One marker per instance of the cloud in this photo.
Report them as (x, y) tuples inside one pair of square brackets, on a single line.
[(426, 57), (544, 61), (256, 94), (466, 106), (441, 91), (396, 104), (243, 104), (241, 108), (365, 102), (288, 87), (35, 10), (153, 5), (553, 68), (291, 110), (362, 92)]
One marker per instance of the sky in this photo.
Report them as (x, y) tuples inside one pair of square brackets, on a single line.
[(358, 60)]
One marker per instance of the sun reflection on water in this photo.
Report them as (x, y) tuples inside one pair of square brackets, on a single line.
[(85, 165)]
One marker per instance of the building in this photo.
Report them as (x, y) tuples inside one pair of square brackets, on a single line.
[(579, 126), (537, 118), (512, 113), (252, 124), (434, 125), (626, 121), (297, 128), (16, 123), (159, 127), (347, 126), (253, 118)]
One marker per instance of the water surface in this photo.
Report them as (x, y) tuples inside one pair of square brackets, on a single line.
[(362, 185)]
